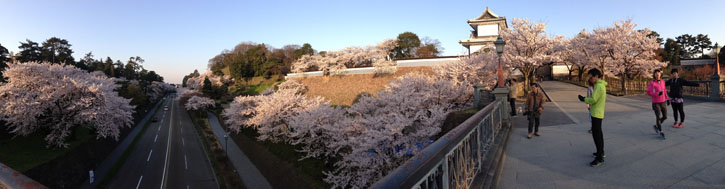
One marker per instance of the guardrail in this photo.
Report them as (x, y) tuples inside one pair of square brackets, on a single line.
[(455, 159), (9, 178), (704, 89)]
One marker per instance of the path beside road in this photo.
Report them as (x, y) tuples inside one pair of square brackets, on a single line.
[(251, 177)]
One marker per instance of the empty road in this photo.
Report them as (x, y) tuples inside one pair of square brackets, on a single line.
[(169, 154)]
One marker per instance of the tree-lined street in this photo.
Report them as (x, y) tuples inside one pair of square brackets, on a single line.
[(168, 155)]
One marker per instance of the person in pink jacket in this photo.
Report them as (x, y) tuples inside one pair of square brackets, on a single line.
[(660, 100)]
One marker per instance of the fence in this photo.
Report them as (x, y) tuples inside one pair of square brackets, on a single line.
[(704, 89), (454, 160), (614, 86)]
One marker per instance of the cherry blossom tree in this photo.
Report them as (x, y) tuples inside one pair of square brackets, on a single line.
[(383, 64), (197, 82), (292, 86), (388, 129), (56, 98), (632, 52), (581, 53), (600, 51), (335, 62), (199, 103), (321, 132), (159, 89), (270, 114), (479, 68), (184, 94), (527, 47), (376, 134)]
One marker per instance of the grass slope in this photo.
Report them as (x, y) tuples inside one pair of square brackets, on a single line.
[(342, 90)]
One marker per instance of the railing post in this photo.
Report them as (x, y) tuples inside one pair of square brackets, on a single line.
[(445, 182), (477, 96), (503, 93), (715, 83)]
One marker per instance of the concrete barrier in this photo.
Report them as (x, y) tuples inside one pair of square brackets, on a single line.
[(9, 178)]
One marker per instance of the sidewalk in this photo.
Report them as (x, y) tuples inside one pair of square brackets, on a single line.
[(251, 177), (693, 156)]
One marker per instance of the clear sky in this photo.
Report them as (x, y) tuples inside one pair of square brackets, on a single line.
[(176, 37)]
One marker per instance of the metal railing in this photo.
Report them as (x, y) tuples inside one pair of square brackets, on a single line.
[(454, 160), (614, 85), (703, 89)]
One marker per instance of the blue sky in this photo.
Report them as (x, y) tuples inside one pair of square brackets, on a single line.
[(176, 37)]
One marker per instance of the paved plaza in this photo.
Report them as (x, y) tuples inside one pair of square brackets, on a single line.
[(693, 156)]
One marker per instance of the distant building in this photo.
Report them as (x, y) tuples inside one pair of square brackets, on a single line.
[(690, 64), (486, 29), (694, 64)]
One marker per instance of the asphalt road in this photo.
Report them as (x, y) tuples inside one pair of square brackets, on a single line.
[(169, 154)]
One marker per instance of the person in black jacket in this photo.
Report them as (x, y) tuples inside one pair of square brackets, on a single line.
[(676, 84)]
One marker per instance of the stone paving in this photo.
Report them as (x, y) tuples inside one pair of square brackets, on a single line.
[(693, 156)]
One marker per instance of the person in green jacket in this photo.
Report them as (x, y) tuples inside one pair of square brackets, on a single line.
[(596, 102)]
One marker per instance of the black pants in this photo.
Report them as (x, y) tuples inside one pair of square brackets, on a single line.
[(512, 101), (534, 120), (598, 137), (660, 113), (678, 108)]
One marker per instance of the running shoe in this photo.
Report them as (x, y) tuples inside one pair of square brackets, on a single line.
[(596, 163), (662, 135), (675, 125), (656, 130), (682, 124)]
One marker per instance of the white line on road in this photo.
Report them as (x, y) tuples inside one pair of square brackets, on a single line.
[(148, 158), (182, 141), (159, 128), (139, 182), (186, 165), (157, 136), (168, 143)]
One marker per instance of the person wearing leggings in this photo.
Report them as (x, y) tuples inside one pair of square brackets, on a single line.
[(597, 102), (658, 92), (675, 92)]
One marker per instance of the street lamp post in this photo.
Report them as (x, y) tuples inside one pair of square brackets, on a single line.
[(226, 144), (715, 78), (717, 59), (499, 50)]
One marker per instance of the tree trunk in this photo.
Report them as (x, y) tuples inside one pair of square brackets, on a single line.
[(527, 72), (624, 81), (570, 74), (581, 73)]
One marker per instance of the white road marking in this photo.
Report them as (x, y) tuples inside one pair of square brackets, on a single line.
[(186, 165), (168, 143), (159, 128), (157, 136), (182, 142), (148, 158), (139, 182)]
